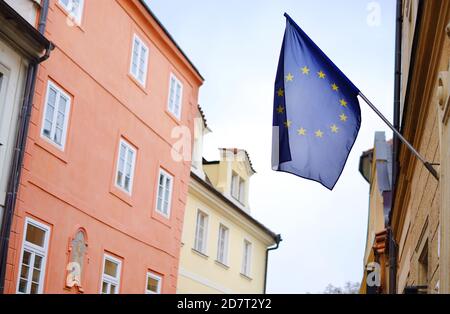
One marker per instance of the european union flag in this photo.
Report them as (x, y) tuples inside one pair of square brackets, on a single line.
[(316, 115)]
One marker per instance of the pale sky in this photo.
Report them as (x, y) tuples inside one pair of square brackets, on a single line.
[(235, 44)]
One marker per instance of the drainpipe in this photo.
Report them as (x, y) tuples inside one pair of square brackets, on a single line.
[(19, 150), (278, 239), (395, 146)]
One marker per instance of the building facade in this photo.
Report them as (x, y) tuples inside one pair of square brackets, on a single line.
[(103, 188), (419, 219), (224, 249), (376, 168)]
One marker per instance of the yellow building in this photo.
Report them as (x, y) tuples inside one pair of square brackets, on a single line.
[(224, 249)]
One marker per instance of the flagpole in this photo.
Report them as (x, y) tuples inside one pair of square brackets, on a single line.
[(427, 165)]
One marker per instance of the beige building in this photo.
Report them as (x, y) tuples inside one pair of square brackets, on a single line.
[(419, 219), (224, 249)]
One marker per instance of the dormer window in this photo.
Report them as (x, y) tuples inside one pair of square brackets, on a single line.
[(238, 188)]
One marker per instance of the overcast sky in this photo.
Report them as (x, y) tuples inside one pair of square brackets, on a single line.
[(235, 44)]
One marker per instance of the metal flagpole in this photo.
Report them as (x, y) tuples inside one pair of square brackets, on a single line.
[(427, 165)]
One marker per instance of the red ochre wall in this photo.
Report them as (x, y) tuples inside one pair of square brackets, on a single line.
[(72, 189)]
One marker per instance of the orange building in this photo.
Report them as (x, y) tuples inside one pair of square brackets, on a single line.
[(101, 199)]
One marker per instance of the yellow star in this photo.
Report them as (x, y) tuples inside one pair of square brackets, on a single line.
[(343, 117), (301, 131), (280, 92), (335, 87), (334, 128), (321, 74), (280, 109), (289, 77), (305, 70), (319, 133), (288, 123), (343, 103)]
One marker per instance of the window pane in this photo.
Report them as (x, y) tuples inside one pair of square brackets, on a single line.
[(35, 235), (126, 184), (37, 262), (112, 289), (58, 136), (104, 287), (119, 178), (135, 57), (110, 268), (36, 275), (34, 288), (26, 257), (24, 271), (152, 284), (23, 286), (65, 3)]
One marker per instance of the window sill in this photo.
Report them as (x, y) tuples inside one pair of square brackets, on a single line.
[(52, 149), (173, 117), (141, 86), (161, 218), (246, 277), (71, 19), (224, 266), (121, 195), (203, 255)]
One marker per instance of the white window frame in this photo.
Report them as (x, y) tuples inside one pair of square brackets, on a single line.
[(34, 250), (242, 189), (235, 185), (59, 93), (129, 148), (141, 43), (157, 278), (247, 258), (171, 106), (222, 229), (76, 16), (202, 249), (166, 175), (109, 279)]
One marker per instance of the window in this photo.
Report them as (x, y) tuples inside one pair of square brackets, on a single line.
[(33, 258), (74, 8), (235, 185), (125, 167), (222, 246), (111, 275), (242, 191), (238, 188), (139, 60), (153, 284), (246, 261), (56, 114), (200, 232), (175, 96), (165, 184)]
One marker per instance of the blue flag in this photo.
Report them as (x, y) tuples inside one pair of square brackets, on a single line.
[(316, 115)]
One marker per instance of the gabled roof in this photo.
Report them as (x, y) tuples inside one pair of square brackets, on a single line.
[(212, 189), (236, 151)]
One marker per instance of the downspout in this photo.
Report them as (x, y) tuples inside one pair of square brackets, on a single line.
[(278, 239), (395, 146), (19, 149)]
